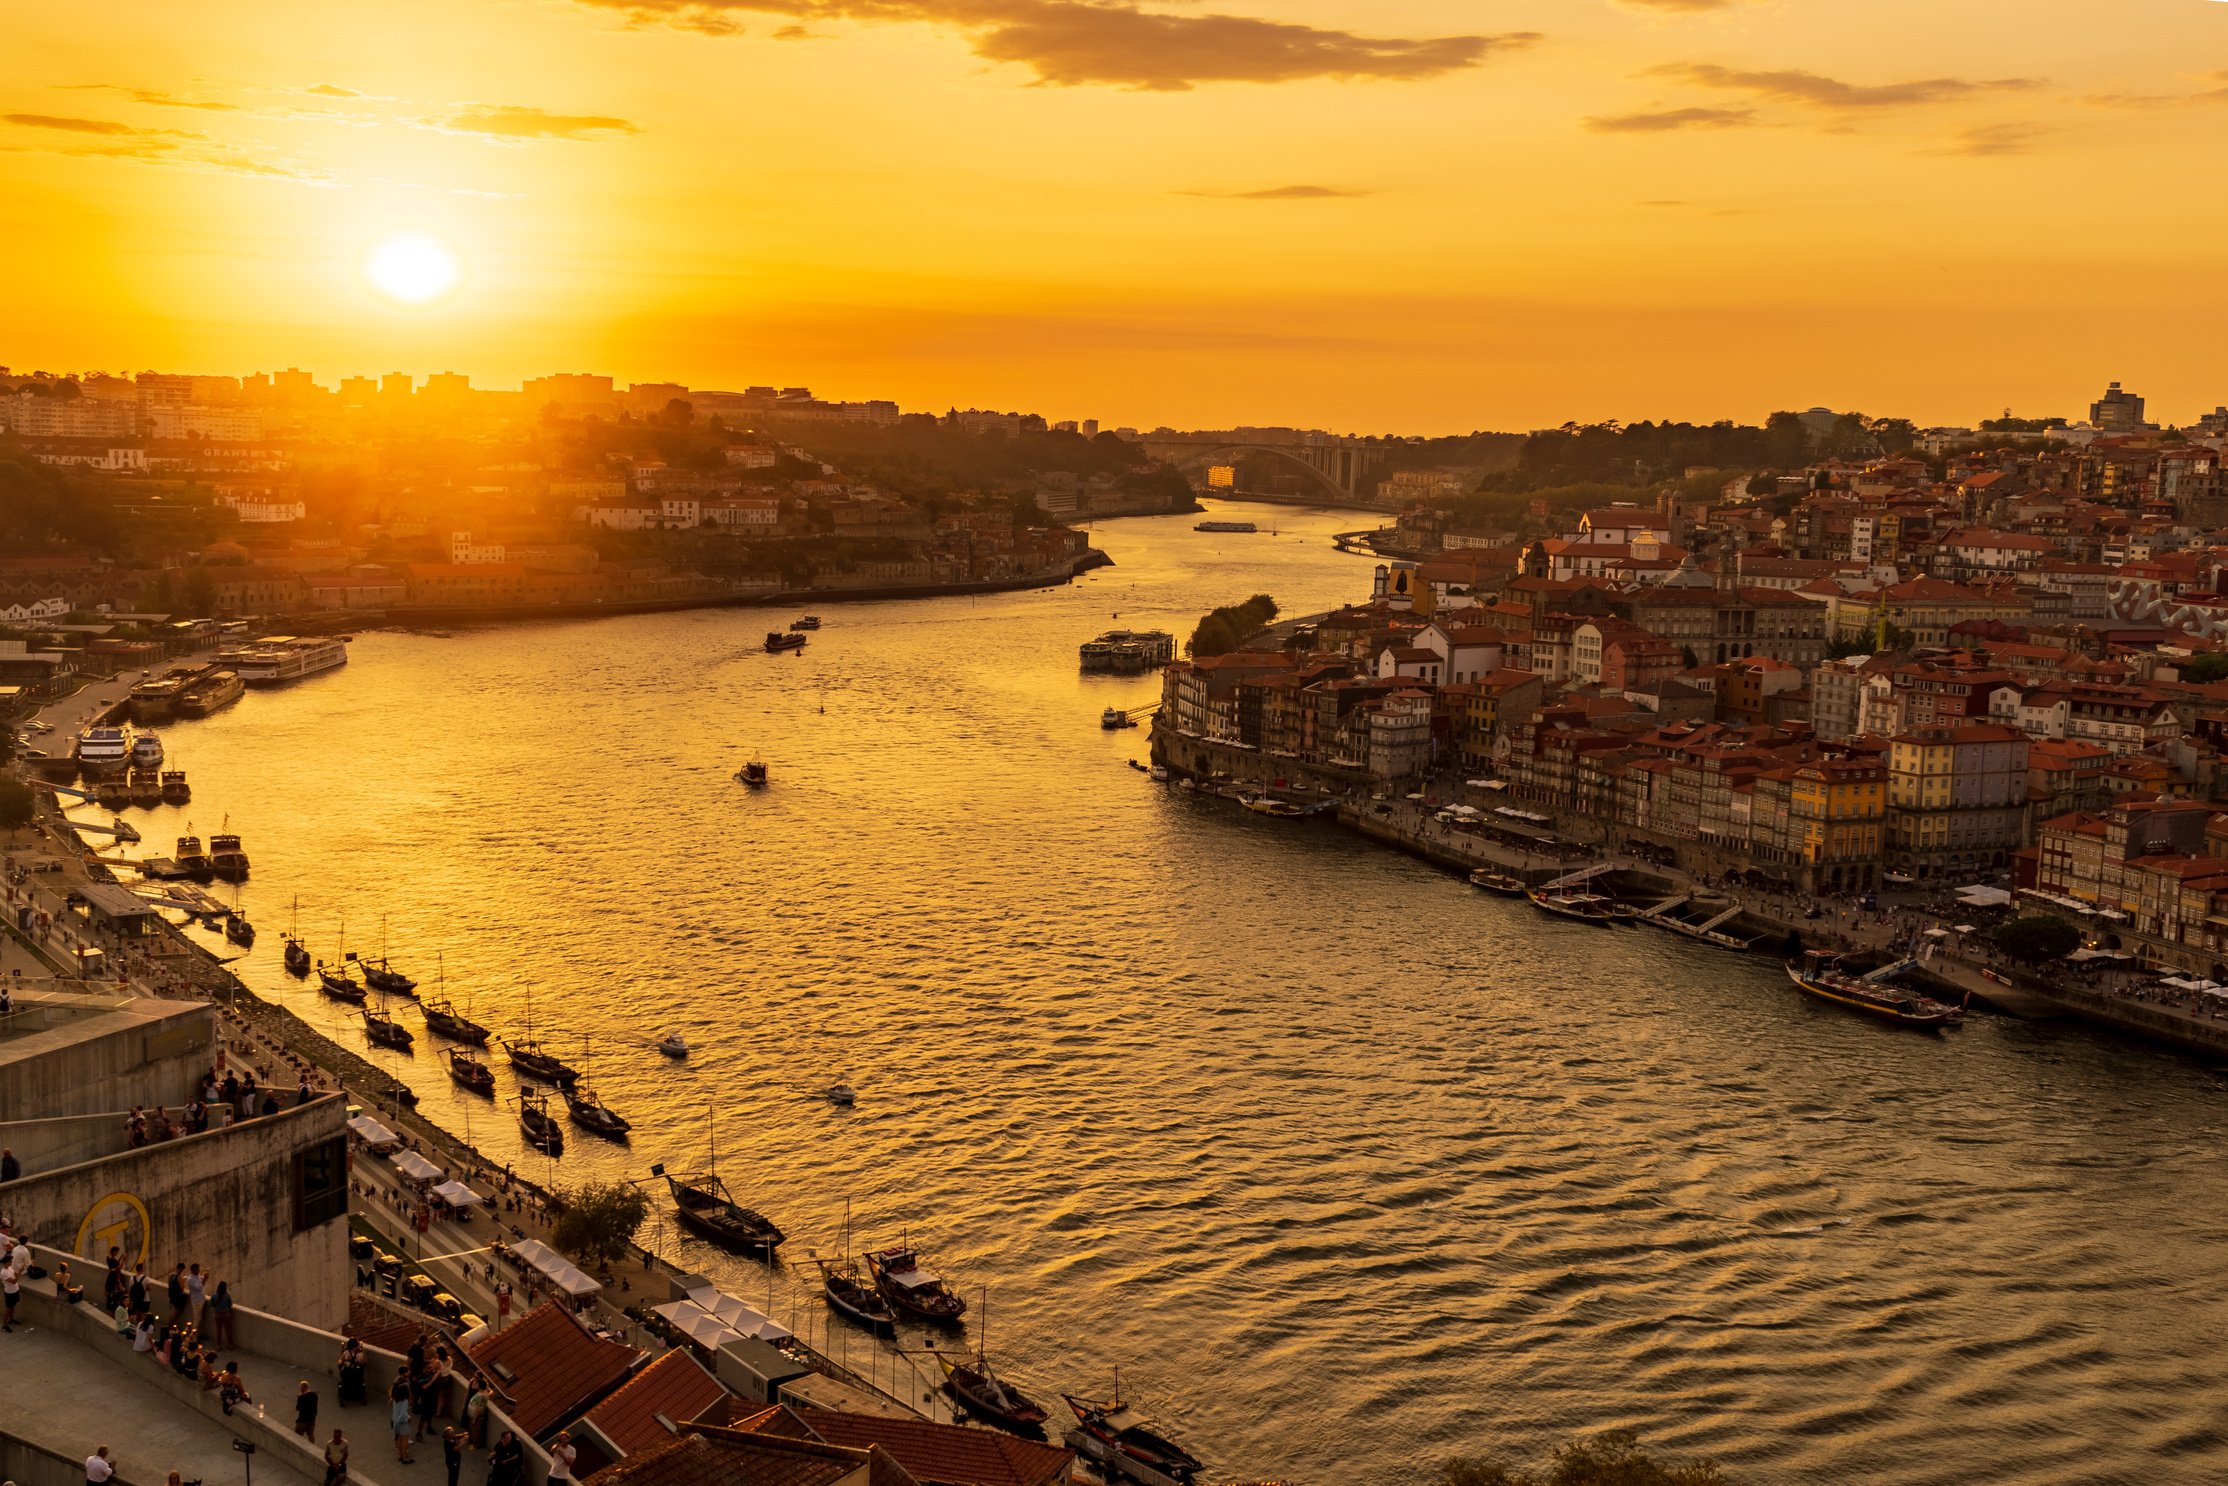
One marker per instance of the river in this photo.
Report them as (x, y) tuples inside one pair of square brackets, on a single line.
[(1346, 1166)]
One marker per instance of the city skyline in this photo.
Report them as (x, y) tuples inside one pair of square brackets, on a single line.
[(1425, 217)]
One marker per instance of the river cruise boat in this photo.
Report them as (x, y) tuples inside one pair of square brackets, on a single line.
[(542, 1131), (386, 1031), (1117, 1437), (283, 658), (175, 790), (1590, 908), (593, 1115), (809, 621), (1493, 880), (192, 860), (1820, 975), (1128, 652), (776, 642), (100, 749), (147, 751), (528, 1057), (153, 701), (213, 694), (470, 1072), (705, 1209), (227, 858), (444, 1020), (1236, 526), (976, 1388), (1114, 719), (1281, 809), (913, 1290)]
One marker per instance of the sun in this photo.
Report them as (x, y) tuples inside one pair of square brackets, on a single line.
[(412, 267)]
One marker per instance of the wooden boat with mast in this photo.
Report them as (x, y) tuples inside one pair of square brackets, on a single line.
[(530, 1057), (386, 1031), (707, 1209), (592, 1114), (981, 1392), (382, 976), (297, 953), (470, 1072), (543, 1132), (444, 1020), (849, 1294), (913, 1290), (1125, 1443)]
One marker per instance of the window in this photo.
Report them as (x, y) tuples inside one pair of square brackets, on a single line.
[(320, 1184)]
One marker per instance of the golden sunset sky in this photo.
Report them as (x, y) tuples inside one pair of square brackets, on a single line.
[(1377, 215)]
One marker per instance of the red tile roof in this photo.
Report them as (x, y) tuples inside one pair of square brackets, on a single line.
[(549, 1367), (935, 1454), (674, 1386), (710, 1456)]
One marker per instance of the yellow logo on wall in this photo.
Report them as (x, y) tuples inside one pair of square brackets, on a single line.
[(118, 1220)]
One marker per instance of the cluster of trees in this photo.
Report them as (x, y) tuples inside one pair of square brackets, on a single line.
[(16, 804), (1614, 1459), (2036, 938), (1228, 627), (924, 462), (1645, 453), (597, 1222), (43, 509)]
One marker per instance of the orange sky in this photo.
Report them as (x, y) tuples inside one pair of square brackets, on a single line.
[(1382, 215)]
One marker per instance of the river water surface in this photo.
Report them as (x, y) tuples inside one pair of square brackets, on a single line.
[(1347, 1166)]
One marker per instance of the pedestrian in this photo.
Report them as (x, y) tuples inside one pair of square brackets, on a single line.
[(398, 1416), (137, 1295), (175, 1293), (305, 1410), (452, 1451), (502, 1303), (561, 1456), (506, 1463), (11, 1291), (197, 1291), (351, 1371), (475, 1413), (10, 1167), (220, 1313), (336, 1459), (98, 1467)]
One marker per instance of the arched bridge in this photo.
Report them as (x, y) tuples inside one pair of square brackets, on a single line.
[(1344, 467)]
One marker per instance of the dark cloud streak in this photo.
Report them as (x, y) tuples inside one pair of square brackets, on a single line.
[(1669, 120), (1819, 91)]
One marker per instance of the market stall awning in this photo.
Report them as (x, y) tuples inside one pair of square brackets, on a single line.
[(744, 1319), (416, 1167), (456, 1194), (696, 1323), (554, 1267), (372, 1132)]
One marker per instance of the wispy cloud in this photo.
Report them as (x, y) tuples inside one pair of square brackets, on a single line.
[(154, 97), (1115, 43), (1984, 141), (107, 127), (513, 122), (1667, 120), (1680, 7), (1280, 193), (1819, 91), (2218, 93), (330, 90), (171, 149)]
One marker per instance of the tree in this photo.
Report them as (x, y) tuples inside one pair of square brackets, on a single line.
[(597, 1221), (198, 594), (1614, 1459), (15, 805), (2207, 668), (2036, 937)]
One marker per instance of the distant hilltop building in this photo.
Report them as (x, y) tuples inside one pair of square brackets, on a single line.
[(2117, 411)]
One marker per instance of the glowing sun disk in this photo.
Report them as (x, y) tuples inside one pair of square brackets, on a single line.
[(412, 267)]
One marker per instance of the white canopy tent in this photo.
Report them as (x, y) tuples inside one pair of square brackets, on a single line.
[(696, 1323), (738, 1317), (371, 1132), (456, 1194), (416, 1167), (554, 1267), (1980, 895)]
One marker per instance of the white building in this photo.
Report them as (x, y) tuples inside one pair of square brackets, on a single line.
[(465, 552)]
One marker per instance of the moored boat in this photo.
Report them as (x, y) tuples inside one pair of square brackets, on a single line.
[(1591, 908), (386, 1031), (1494, 880), (1118, 1437), (147, 751), (1281, 809), (1817, 975), (175, 790), (776, 642), (593, 1115), (981, 1392), (297, 957), (1114, 719), (381, 976), (192, 860), (213, 693), (338, 985), (238, 929), (705, 1209), (528, 1056), (851, 1297), (912, 1290), (445, 1020), (470, 1072), (146, 788), (227, 858), (542, 1131)]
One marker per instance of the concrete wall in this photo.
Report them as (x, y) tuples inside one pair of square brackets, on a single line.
[(223, 1200), (122, 1054), (29, 1464), (45, 1145)]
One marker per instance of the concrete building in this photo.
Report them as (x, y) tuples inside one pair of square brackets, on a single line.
[(1957, 800)]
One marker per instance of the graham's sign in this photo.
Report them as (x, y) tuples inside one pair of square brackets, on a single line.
[(118, 1220)]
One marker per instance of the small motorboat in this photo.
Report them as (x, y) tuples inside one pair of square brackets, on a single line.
[(913, 1290), (1114, 719), (752, 774), (593, 1115), (673, 1045), (543, 1132), (776, 642), (981, 1392), (239, 930), (809, 621), (1158, 773), (842, 1096), (1117, 1437), (471, 1072), (386, 1031)]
